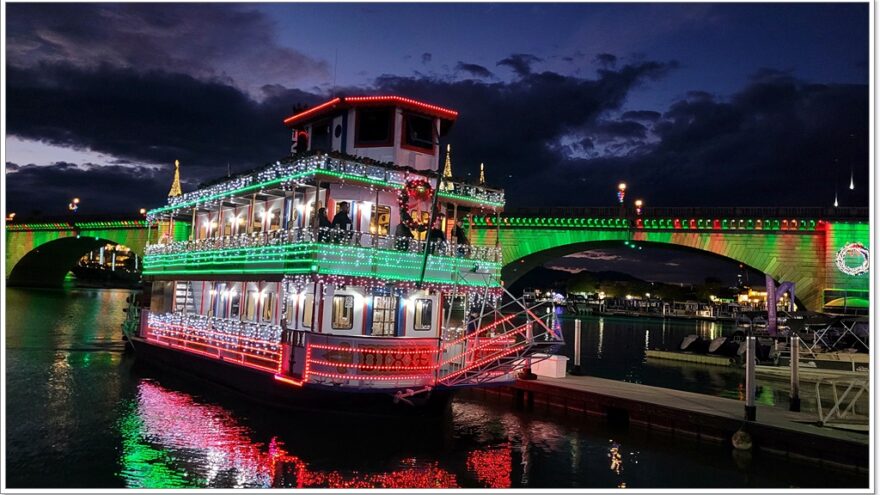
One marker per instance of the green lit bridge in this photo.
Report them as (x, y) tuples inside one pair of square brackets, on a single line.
[(801, 245), (41, 253)]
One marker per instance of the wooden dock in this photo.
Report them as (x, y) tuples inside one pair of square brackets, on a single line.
[(687, 357), (699, 416)]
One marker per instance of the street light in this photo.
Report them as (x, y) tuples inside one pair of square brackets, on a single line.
[(10, 217), (621, 192), (142, 211), (639, 204), (73, 205)]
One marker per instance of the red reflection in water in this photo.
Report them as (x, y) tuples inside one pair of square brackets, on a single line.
[(492, 467), (176, 421)]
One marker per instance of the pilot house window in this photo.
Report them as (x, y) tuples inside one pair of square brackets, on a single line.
[(418, 132), (373, 127), (321, 140)]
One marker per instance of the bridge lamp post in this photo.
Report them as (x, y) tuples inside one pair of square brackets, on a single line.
[(73, 205), (621, 192), (143, 211), (639, 204)]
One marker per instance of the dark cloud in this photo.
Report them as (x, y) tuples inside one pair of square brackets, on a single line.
[(101, 189), (549, 139), (230, 43), (151, 117), (605, 60), (473, 69), (426, 57), (521, 63), (641, 115)]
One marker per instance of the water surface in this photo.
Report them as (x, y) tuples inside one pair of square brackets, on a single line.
[(83, 413)]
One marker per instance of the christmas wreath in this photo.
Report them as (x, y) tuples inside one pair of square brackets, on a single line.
[(414, 189)]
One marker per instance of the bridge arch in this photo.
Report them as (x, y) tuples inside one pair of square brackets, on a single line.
[(804, 255), (514, 270), (48, 264), (40, 255)]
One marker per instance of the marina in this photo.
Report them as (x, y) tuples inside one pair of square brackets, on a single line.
[(438, 247)]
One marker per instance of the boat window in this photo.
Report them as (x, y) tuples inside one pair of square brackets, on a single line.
[(274, 219), (250, 303), (380, 224), (418, 132), (374, 127), (423, 313), (227, 218), (220, 298), (384, 315), (234, 301), (161, 297), (183, 297), (268, 306), (290, 310), (343, 313), (308, 307)]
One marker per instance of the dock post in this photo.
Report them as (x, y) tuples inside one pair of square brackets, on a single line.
[(794, 396), (576, 370), (750, 378)]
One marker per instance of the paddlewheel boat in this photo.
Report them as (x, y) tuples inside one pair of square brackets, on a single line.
[(341, 274)]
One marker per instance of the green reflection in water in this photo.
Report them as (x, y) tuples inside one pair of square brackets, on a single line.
[(144, 466)]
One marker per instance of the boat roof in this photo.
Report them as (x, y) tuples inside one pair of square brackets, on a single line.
[(446, 115)]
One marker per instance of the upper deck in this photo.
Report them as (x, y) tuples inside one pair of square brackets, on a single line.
[(264, 223)]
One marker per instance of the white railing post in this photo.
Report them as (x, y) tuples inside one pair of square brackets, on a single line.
[(794, 398), (577, 348), (750, 378)]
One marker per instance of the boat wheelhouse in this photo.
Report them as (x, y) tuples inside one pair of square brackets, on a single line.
[(344, 267)]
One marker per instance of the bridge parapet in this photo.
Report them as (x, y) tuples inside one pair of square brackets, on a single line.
[(76, 225), (818, 213), (706, 224)]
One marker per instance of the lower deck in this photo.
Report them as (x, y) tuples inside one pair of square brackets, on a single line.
[(324, 335)]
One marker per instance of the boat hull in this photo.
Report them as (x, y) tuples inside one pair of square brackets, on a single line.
[(262, 387)]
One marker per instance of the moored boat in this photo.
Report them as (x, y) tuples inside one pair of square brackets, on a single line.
[(340, 275)]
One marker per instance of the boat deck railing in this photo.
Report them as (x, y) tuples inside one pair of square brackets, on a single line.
[(329, 236)]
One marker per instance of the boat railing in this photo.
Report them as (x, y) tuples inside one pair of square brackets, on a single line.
[(499, 343), (301, 167), (332, 236)]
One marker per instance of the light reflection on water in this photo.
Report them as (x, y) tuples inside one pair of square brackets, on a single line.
[(81, 414)]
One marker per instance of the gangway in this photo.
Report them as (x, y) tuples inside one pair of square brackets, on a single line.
[(503, 340)]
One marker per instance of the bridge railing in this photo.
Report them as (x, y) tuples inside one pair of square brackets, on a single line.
[(829, 213)]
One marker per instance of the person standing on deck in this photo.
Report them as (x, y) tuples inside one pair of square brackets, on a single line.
[(324, 225), (342, 222), (460, 237), (436, 238), (402, 233)]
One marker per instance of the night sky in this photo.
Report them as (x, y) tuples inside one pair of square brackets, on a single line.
[(690, 104)]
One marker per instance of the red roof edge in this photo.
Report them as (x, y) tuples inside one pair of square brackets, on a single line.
[(355, 101)]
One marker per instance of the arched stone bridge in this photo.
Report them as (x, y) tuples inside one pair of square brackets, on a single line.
[(799, 245), (41, 253)]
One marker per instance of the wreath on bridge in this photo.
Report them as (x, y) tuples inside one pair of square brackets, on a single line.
[(857, 250), (418, 190)]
